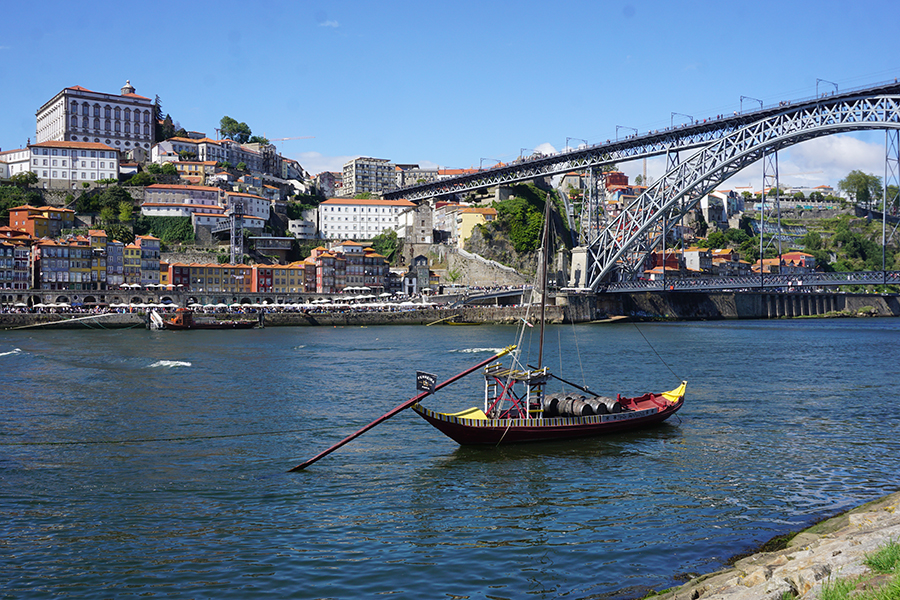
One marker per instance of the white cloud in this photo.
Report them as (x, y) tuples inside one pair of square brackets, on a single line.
[(316, 162), (329, 24), (822, 161), (546, 148)]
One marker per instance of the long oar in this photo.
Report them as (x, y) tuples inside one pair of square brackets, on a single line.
[(400, 408)]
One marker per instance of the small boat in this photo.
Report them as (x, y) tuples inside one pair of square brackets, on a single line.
[(184, 320), (517, 407)]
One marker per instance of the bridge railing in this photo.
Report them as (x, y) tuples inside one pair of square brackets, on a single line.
[(779, 281)]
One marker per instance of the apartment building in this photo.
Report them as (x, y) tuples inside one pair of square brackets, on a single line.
[(368, 175)]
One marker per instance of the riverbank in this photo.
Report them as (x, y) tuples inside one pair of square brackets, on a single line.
[(829, 550), (471, 315)]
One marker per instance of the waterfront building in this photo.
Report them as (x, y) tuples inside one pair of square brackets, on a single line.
[(7, 264), (132, 264), (359, 219), (99, 242), (122, 121), (414, 225), (115, 263), (150, 254)]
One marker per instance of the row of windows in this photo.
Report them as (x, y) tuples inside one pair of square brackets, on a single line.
[(74, 164), (107, 126), (366, 210), (108, 111), (84, 153), (84, 175)]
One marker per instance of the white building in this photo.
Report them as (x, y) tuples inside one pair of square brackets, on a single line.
[(123, 121), (60, 164), (354, 218), (252, 205), (163, 200)]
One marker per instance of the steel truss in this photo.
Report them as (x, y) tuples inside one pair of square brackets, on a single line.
[(624, 243), (682, 138)]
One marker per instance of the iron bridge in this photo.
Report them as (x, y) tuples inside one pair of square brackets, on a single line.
[(700, 155)]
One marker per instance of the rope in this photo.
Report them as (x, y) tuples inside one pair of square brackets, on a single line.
[(657, 353), (146, 440)]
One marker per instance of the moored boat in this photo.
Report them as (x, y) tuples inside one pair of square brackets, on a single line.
[(183, 319), (517, 407)]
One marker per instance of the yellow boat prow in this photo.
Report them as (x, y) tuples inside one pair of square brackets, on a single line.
[(470, 413), (674, 395)]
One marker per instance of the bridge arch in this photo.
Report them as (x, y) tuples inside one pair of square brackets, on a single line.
[(626, 240)]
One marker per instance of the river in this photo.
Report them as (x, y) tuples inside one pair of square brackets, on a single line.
[(153, 463)]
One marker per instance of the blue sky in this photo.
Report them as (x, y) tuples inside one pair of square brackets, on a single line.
[(453, 84)]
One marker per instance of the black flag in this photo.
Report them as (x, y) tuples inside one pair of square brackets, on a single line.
[(425, 382)]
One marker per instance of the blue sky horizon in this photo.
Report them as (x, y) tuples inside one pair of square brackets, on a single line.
[(456, 85)]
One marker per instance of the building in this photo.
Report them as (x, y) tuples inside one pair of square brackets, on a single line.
[(467, 217), (46, 221), (150, 254), (359, 219), (368, 175), (64, 164), (122, 121), (414, 224), (202, 203)]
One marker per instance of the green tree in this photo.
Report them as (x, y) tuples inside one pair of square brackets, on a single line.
[(386, 244), (26, 179), (120, 232), (107, 215), (811, 241), (736, 236), (799, 196), (13, 197), (242, 166), (231, 129), (816, 196), (154, 168), (141, 179), (861, 187), (126, 211), (364, 196), (113, 197), (717, 239), (169, 169), (258, 139)]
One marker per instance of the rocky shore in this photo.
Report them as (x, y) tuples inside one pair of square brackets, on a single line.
[(832, 549)]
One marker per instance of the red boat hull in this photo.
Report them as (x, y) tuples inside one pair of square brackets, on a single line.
[(645, 411)]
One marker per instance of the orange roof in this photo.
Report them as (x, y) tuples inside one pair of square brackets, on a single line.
[(365, 202), (81, 145), (168, 186)]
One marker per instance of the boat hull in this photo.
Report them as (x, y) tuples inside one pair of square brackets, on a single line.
[(645, 411), (222, 325)]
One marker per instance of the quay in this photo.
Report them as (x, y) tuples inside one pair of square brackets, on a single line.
[(567, 308)]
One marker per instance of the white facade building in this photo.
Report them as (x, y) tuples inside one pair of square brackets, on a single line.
[(253, 206), (353, 218), (162, 200), (60, 164), (123, 121)]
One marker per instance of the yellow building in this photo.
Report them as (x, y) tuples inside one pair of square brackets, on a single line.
[(468, 217)]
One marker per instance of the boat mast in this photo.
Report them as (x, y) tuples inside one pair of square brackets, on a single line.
[(545, 246)]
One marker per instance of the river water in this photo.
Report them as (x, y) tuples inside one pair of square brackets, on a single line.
[(153, 464)]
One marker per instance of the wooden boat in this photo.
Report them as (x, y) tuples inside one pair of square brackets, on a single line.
[(517, 407), (184, 320)]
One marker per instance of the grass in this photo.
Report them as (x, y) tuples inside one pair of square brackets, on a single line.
[(882, 584)]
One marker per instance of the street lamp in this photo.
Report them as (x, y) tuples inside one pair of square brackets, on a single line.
[(484, 159), (825, 81), (618, 127), (672, 118), (574, 138), (749, 98)]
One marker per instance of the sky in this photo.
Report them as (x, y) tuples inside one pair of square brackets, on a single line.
[(455, 84)]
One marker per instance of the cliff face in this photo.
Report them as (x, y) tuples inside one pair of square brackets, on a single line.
[(494, 244)]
